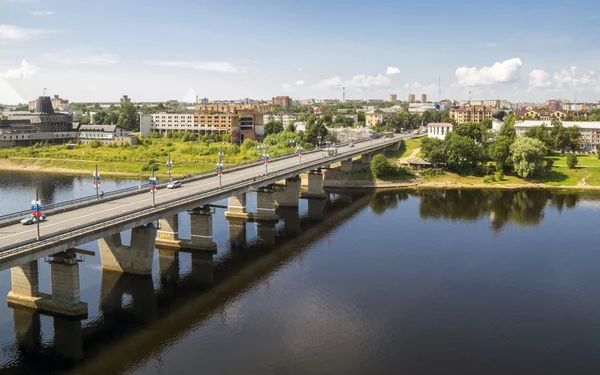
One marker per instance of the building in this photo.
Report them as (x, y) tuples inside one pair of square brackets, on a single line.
[(284, 101), (590, 130), (377, 116), (393, 98), (284, 118), (420, 108), (438, 129), (106, 134), (125, 99), (202, 101), (471, 113), (43, 125), (423, 98), (411, 98), (57, 103)]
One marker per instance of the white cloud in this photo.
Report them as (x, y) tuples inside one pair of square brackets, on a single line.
[(71, 57), (25, 71), (213, 66), (501, 72), (13, 33), (562, 80), (300, 83), (358, 81), (392, 70), (8, 95), (42, 12), (299, 69)]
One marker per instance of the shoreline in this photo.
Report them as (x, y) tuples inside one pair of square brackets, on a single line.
[(7, 165)]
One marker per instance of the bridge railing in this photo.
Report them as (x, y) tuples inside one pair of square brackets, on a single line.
[(119, 219)]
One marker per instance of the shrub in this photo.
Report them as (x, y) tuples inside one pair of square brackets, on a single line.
[(500, 175), (549, 163), (489, 179), (380, 166), (572, 160), (95, 144)]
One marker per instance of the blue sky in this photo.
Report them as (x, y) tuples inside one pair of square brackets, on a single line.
[(97, 51)]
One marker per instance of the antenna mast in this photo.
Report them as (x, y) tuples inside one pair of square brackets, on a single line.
[(439, 89)]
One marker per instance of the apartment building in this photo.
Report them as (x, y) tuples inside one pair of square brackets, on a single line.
[(377, 116), (471, 113), (284, 118), (284, 101), (411, 98), (423, 98), (393, 98), (590, 131)]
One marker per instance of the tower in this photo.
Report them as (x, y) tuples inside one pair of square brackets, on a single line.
[(343, 94)]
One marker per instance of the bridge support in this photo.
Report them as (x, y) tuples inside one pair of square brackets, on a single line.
[(265, 232), (201, 232), (366, 158), (136, 258), (140, 288), (315, 186), (394, 147), (290, 194), (346, 165), (291, 219), (64, 300), (168, 228), (236, 207), (265, 204)]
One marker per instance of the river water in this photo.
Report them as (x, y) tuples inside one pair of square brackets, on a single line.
[(404, 282)]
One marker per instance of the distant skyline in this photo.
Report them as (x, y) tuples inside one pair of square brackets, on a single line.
[(98, 51)]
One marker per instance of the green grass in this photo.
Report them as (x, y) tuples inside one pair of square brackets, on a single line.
[(585, 160)]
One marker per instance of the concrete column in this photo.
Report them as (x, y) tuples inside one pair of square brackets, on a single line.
[(394, 147), (236, 207), (315, 186), (290, 194), (25, 280), (346, 165), (136, 259), (265, 205), (237, 233), (265, 232), (27, 328), (64, 275), (168, 228), (366, 158), (168, 265), (68, 340), (201, 230)]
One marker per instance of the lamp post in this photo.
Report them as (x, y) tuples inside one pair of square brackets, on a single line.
[(96, 181), (300, 151), (152, 185), (319, 139), (36, 212), (292, 143), (327, 144), (169, 166), (219, 167), (265, 159), (259, 148)]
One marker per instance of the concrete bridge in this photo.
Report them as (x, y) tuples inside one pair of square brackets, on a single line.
[(179, 301), (104, 221)]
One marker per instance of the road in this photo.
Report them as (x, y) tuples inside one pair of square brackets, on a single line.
[(58, 223)]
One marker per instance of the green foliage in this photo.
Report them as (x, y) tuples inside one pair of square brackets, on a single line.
[(462, 152), (95, 144), (559, 135), (572, 160), (489, 179), (500, 175), (540, 133), (500, 152), (508, 127), (527, 155), (433, 150), (291, 127), (273, 127), (83, 120), (128, 117), (574, 134), (249, 145), (314, 128), (380, 166)]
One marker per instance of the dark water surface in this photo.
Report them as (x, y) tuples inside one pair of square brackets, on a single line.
[(428, 282)]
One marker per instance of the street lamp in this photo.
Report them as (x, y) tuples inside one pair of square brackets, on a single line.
[(169, 166), (265, 159), (259, 148), (319, 139), (299, 152), (219, 168), (96, 181), (36, 212), (292, 143), (152, 185), (327, 144)]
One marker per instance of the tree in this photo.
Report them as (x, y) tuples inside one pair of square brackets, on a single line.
[(128, 116), (462, 151), (574, 134), (572, 160), (315, 129), (527, 155), (83, 120), (500, 152), (433, 150), (273, 127), (540, 132), (111, 118), (559, 136), (99, 117), (327, 119), (508, 127), (380, 166), (291, 127)]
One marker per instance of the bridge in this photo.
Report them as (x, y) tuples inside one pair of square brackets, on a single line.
[(103, 221)]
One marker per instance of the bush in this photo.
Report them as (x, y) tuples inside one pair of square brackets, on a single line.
[(489, 179), (95, 144), (572, 160), (380, 166), (500, 175), (549, 163)]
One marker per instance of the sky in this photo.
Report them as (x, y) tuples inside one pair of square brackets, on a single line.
[(96, 51)]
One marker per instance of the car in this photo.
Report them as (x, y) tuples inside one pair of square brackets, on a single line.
[(174, 185), (351, 145), (32, 220)]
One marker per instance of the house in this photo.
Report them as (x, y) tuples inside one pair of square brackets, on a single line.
[(438, 129), (106, 134)]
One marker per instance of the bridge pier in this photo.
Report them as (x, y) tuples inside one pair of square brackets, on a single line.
[(290, 194), (140, 288), (64, 274), (236, 207), (394, 147), (136, 258), (291, 219), (346, 165), (265, 204), (201, 232), (366, 158), (315, 185), (168, 228)]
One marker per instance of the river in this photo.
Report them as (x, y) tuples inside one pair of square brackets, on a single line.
[(401, 282)]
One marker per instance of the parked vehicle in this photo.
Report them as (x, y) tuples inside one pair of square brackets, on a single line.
[(32, 220), (330, 152), (174, 185)]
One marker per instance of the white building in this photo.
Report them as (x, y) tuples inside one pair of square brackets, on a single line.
[(438, 129), (167, 122), (590, 131), (285, 118), (106, 134)]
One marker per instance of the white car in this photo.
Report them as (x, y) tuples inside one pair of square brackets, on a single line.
[(174, 185), (32, 220)]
